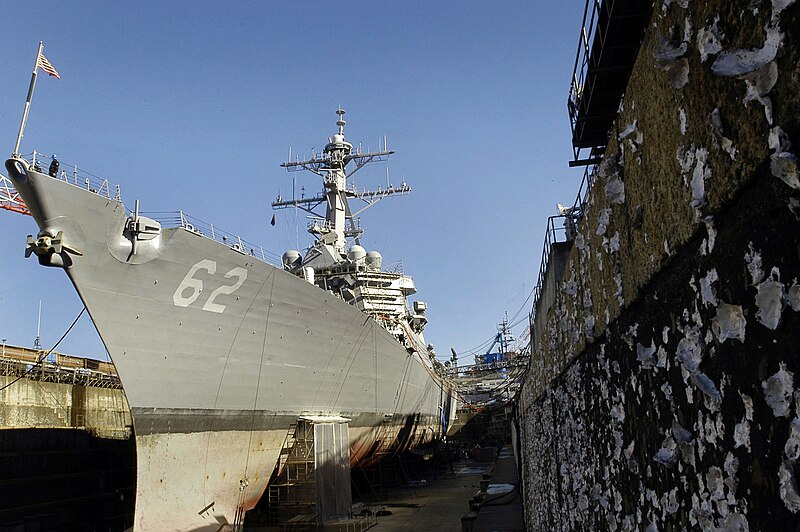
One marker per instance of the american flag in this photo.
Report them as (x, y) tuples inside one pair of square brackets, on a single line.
[(45, 65)]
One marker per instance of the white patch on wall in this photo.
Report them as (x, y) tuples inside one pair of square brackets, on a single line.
[(615, 190), (682, 118), (720, 139), (731, 465), (613, 244), (778, 6), (630, 335), (580, 241), (729, 322), (672, 505), (709, 40), (738, 62), (700, 173), (783, 165), (645, 354), (617, 410), (793, 296), (602, 221), (669, 58), (792, 447), (667, 389), (753, 261), (741, 435), (707, 386), (588, 326), (668, 453), (570, 285), (788, 487), (794, 207), (778, 140), (707, 293), (747, 402), (715, 484), (735, 522), (661, 357), (685, 157), (690, 352), (769, 300), (632, 132), (630, 139), (712, 233), (759, 84), (608, 167), (778, 391), (680, 433)]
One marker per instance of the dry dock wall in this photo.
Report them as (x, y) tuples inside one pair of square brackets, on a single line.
[(31, 403), (664, 388)]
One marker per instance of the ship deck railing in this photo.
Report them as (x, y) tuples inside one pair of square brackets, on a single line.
[(71, 174), (171, 219)]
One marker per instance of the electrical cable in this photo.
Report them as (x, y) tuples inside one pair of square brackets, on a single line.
[(46, 354)]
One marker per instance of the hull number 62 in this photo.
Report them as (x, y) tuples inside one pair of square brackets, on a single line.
[(190, 288)]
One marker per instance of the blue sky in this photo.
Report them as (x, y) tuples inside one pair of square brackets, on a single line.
[(193, 106)]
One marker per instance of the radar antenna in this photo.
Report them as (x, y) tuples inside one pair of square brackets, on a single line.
[(339, 221)]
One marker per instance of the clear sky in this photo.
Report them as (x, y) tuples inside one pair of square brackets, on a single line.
[(193, 105)]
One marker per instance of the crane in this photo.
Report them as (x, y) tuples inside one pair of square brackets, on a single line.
[(503, 338), (9, 197)]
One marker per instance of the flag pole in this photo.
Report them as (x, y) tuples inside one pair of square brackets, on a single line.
[(28, 101)]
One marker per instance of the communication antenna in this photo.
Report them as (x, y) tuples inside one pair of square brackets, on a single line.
[(37, 344)]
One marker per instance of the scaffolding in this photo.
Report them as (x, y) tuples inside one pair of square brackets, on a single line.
[(311, 485)]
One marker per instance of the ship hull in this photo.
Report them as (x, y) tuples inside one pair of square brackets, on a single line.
[(220, 353)]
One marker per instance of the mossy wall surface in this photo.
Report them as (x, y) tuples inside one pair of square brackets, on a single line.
[(662, 390)]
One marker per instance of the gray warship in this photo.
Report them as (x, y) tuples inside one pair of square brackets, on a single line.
[(221, 354)]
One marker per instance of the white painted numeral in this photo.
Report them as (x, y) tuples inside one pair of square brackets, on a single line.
[(240, 274), (189, 282), (194, 286)]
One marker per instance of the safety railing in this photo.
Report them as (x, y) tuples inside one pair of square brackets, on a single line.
[(47, 371), (578, 82), (552, 235), (70, 173), (209, 230)]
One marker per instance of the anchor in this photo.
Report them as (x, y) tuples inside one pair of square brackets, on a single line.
[(49, 247)]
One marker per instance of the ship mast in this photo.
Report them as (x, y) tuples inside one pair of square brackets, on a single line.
[(339, 222)]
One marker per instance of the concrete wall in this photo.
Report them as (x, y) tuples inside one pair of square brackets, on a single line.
[(29, 403), (662, 389)]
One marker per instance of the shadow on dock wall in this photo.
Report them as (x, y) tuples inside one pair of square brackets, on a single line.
[(663, 384), (65, 479)]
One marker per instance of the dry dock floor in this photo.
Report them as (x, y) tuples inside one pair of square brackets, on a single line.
[(439, 505)]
